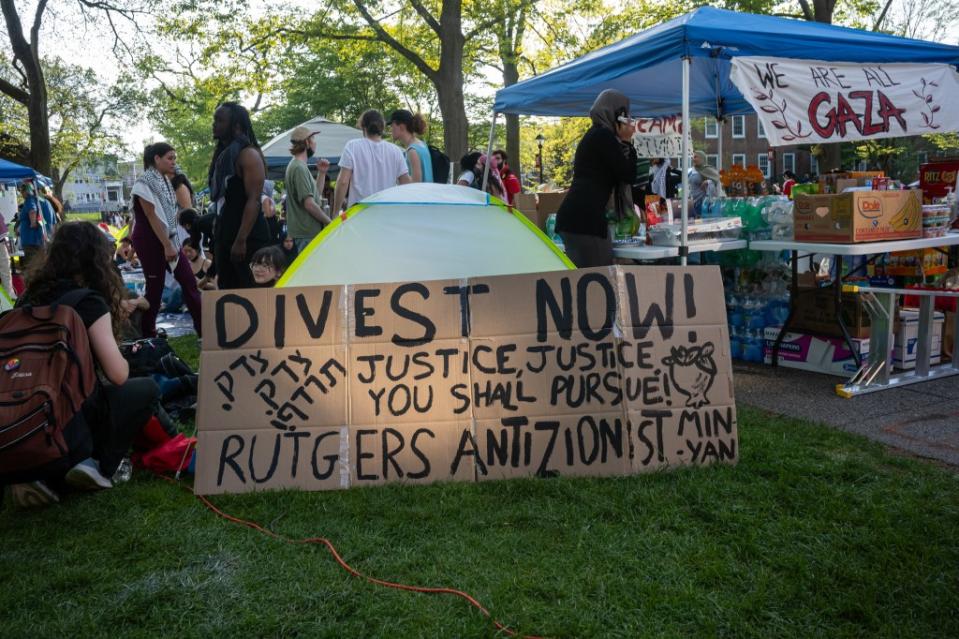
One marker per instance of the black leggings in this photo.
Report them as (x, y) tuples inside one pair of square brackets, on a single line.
[(116, 415)]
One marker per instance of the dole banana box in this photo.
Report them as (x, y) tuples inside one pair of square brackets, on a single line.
[(858, 216)]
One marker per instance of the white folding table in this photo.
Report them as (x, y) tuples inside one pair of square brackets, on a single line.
[(839, 251), (640, 252)]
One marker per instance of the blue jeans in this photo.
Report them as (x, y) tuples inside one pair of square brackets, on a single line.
[(172, 299)]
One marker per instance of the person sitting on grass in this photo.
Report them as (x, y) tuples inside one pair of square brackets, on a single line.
[(267, 266), (201, 266), (126, 257), (80, 257)]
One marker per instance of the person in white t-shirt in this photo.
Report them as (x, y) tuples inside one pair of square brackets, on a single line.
[(369, 164)]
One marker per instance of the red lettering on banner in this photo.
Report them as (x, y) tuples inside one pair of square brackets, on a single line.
[(868, 127), (823, 131), (887, 109), (844, 114), (837, 118)]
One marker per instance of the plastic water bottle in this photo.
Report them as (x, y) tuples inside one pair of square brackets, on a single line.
[(550, 225), (124, 471)]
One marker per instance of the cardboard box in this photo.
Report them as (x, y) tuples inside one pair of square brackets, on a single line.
[(918, 263), (604, 371), (815, 312), (859, 216), (526, 204), (549, 202), (906, 339), (829, 355), (935, 176)]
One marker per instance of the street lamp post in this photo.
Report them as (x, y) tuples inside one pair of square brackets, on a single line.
[(539, 140)]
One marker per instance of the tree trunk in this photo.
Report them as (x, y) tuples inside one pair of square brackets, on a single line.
[(39, 123), (449, 80), (453, 108), (823, 10), (831, 157), (511, 77), (28, 54)]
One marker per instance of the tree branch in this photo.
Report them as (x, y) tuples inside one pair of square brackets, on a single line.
[(14, 92), (35, 30), (807, 10), (882, 16), (427, 16), (385, 37)]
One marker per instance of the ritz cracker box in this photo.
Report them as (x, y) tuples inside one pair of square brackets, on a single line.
[(936, 177), (858, 216)]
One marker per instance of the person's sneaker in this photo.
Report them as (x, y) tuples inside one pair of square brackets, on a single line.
[(86, 476), (33, 495)]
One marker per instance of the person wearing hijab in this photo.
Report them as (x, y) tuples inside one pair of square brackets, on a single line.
[(699, 178), (604, 169)]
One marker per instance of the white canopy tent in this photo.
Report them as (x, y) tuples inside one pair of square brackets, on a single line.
[(329, 145)]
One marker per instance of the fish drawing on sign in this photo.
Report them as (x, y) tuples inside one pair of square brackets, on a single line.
[(692, 371)]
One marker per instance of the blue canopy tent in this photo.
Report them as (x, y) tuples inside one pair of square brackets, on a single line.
[(689, 58), (13, 172)]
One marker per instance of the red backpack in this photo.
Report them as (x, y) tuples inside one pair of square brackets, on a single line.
[(46, 373)]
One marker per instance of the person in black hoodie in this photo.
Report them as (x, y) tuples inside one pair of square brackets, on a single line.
[(604, 166)]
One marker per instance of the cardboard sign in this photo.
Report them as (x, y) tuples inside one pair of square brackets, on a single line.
[(660, 137), (813, 102), (604, 371)]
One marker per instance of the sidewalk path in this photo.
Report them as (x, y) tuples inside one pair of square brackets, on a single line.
[(922, 419)]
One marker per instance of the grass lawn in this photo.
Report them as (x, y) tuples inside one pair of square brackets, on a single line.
[(90, 217), (815, 533)]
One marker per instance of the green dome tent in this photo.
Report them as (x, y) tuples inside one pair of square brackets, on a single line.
[(424, 231)]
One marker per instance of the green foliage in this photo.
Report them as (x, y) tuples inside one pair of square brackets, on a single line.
[(85, 116), (946, 143)]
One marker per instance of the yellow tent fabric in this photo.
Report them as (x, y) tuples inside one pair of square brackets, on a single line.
[(424, 232)]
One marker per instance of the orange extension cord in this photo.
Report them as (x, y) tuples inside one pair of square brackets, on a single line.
[(348, 568)]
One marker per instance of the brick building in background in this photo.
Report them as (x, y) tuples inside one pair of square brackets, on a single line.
[(745, 143)]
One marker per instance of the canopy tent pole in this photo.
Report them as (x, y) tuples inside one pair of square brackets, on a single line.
[(719, 126), (683, 247), (489, 150)]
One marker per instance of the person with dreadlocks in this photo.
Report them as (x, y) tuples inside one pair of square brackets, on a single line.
[(155, 235), (236, 176)]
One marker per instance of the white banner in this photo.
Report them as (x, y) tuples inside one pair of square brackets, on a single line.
[(811, 102), (660, 137)]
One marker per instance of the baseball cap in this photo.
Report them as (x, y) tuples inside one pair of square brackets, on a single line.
[(302, 134), (401, 116)]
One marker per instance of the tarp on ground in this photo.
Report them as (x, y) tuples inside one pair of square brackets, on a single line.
[(422, 232), (329, 145), (6, 302), (647, 67)]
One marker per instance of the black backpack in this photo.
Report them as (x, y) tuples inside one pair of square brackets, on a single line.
[(441, 165)]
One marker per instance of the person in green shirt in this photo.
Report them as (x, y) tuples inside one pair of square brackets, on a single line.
[(305, 213)]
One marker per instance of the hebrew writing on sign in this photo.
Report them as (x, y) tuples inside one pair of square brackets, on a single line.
[(606, 371), (810, 102), (660, 137)]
